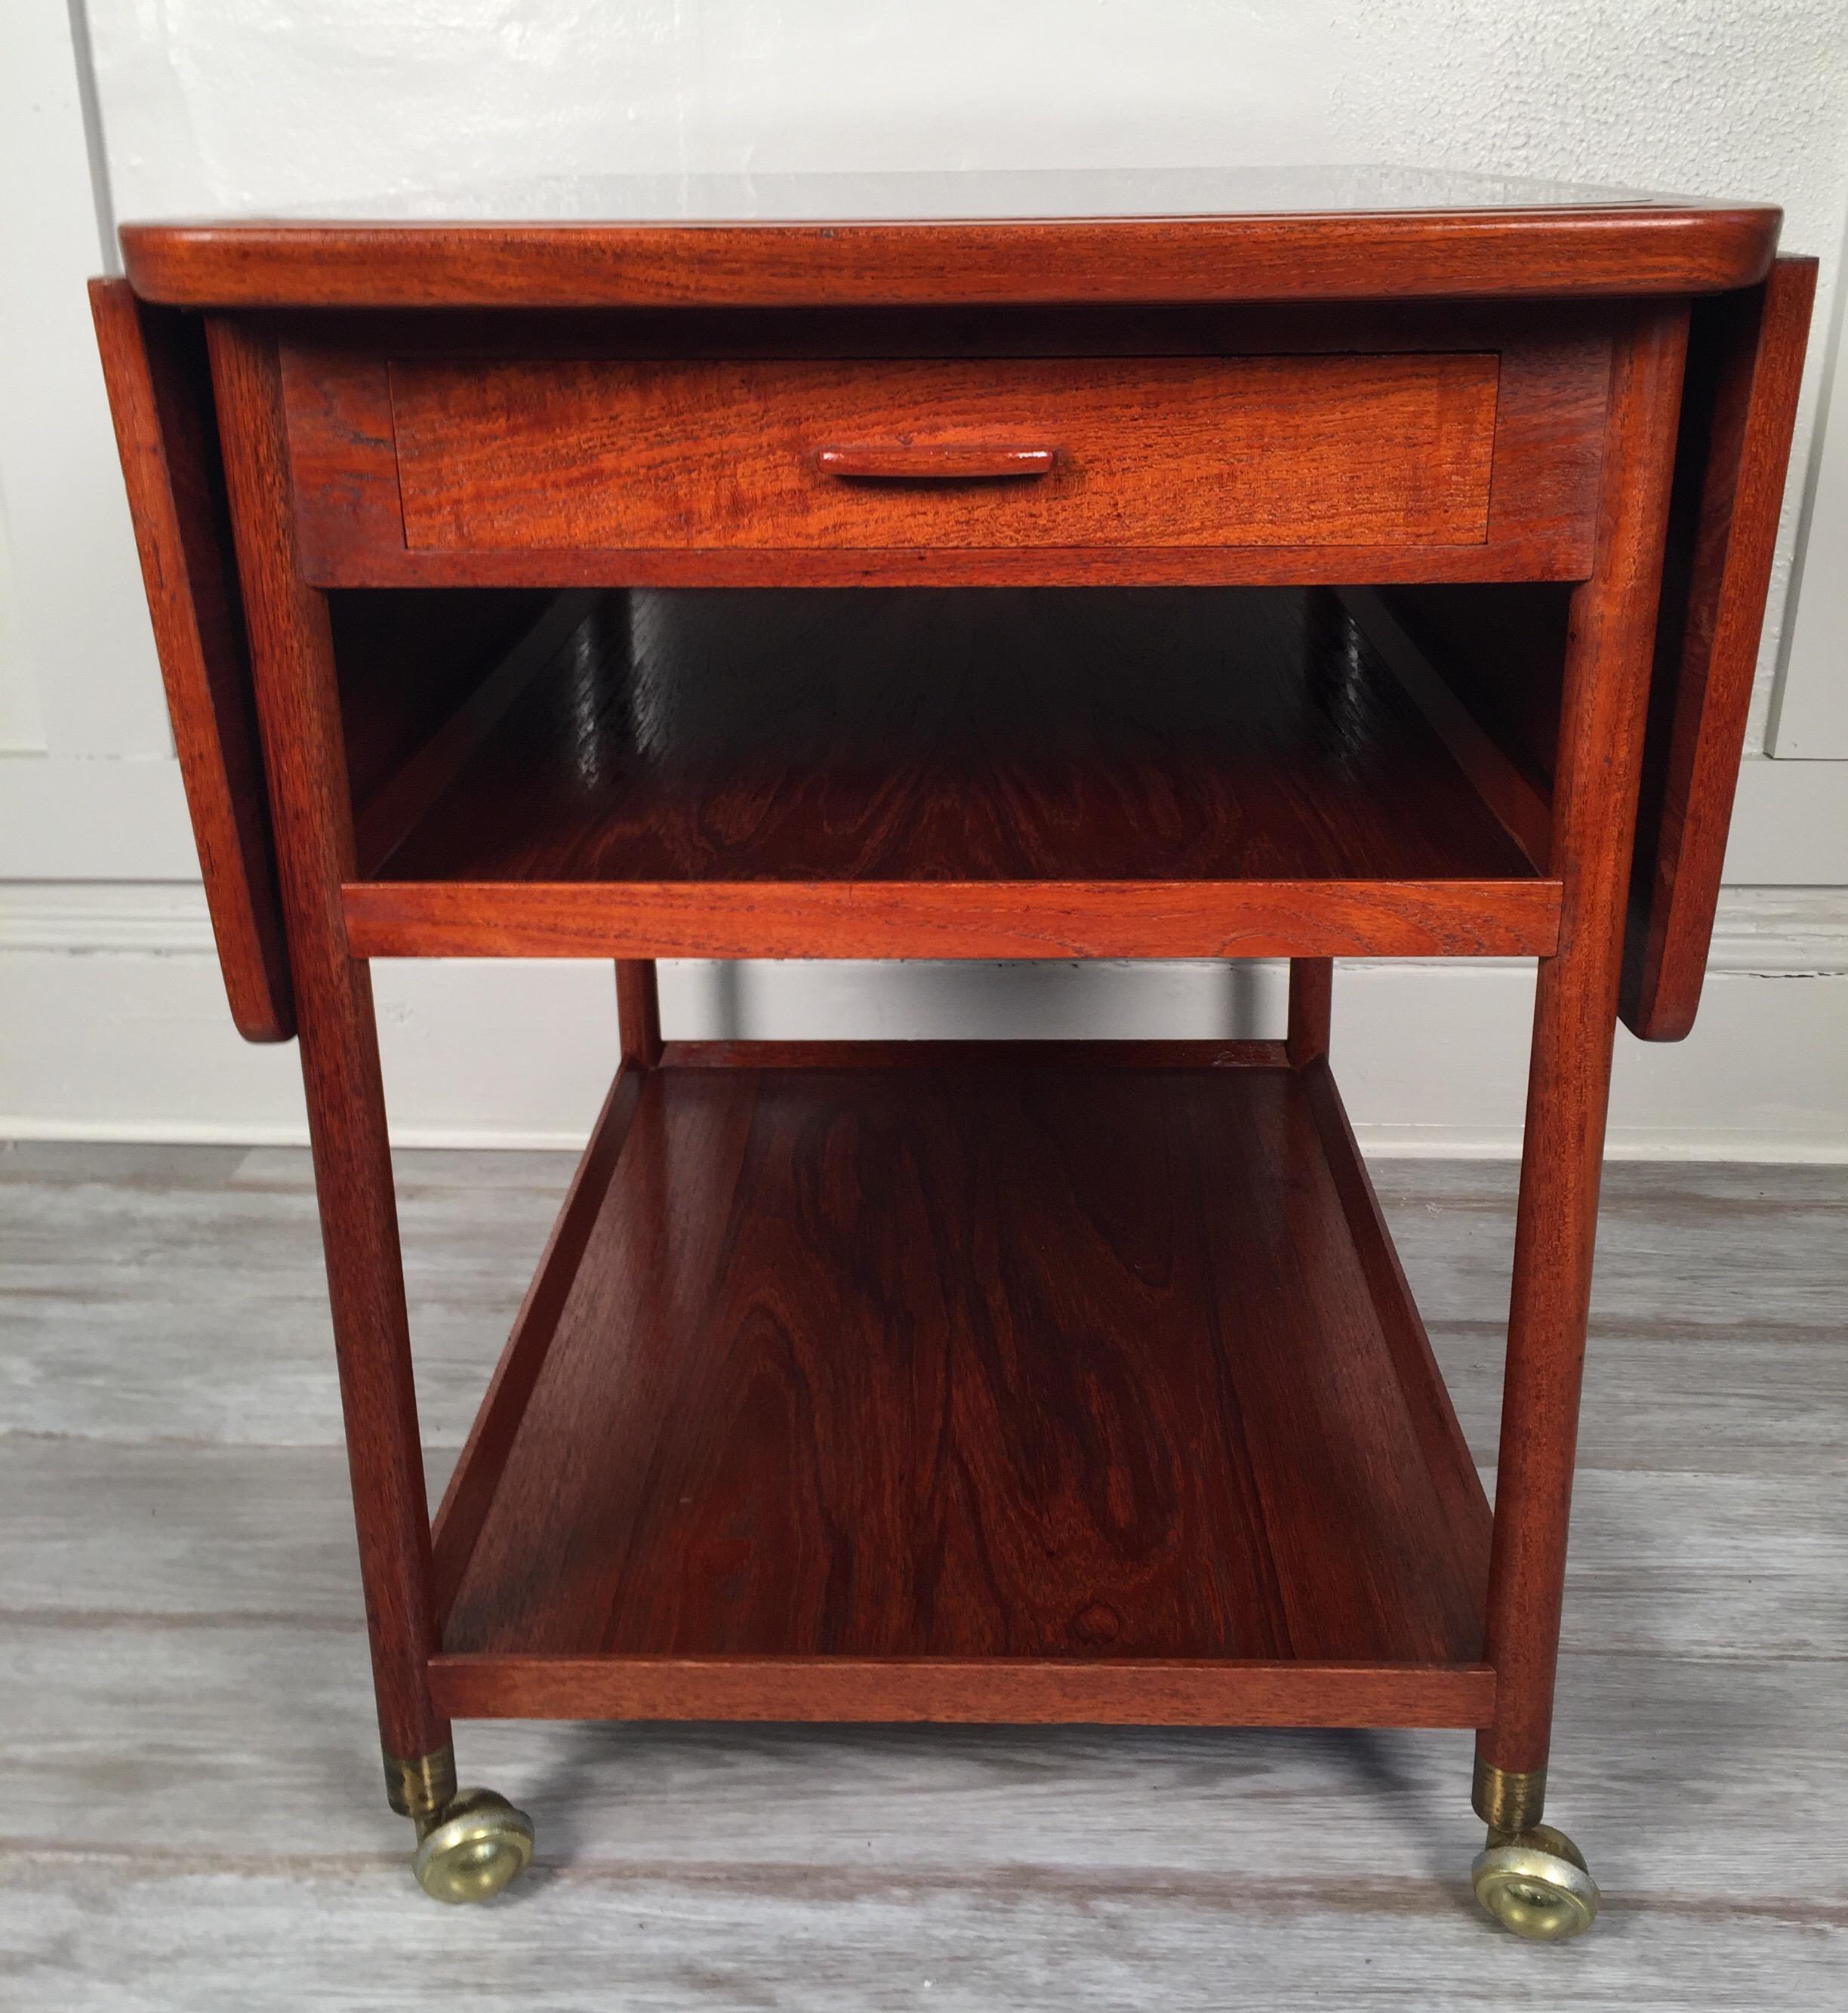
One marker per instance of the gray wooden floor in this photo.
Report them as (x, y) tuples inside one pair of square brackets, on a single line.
[(190, 1808)]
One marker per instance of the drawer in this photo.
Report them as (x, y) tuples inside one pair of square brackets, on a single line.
[(995, 453)]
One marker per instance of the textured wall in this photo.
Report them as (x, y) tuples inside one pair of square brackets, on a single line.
[(210, 102)]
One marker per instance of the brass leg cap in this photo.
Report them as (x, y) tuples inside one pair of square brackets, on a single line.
[(1534, 1883), (474, 1846)]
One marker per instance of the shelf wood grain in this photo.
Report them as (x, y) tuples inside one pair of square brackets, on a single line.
[(883, 1385), (1019, 773)]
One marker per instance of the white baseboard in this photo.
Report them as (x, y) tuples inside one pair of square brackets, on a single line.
[(115, 1028)]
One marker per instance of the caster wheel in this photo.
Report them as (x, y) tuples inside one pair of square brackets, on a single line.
[(474, 1846), (1534, 1883)]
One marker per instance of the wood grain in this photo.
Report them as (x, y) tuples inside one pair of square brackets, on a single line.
[(465, 1504), (1624, 249), (949, 1692), (960, 1362), (299, 709), (947, 736), (989, 919), (343, 461), (1746, 370), (1604, 701), (1552, 362), (1445, 1451), (1180, 452), (160, 398), (941, 774)]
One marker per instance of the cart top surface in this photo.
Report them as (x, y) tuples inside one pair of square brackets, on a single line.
[(1027, 234)]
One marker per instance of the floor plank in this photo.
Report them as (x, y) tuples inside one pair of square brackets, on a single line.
[(191, 1815)]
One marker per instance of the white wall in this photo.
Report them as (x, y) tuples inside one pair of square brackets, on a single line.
[(215, 105)]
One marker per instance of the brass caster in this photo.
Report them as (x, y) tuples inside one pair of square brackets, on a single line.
[(473, 1847), (1534, 1883)]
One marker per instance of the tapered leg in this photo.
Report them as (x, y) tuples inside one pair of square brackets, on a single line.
[(470, 1842), (1312, 999), (1605, 696)]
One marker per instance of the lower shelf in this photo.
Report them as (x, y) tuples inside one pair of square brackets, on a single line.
[(959, 1381)]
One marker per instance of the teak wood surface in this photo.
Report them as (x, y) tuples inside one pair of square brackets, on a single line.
[(1186, 446), (810, 454), (971, 1356), (1604, 700), (299, 707), (1016, 1381), (1027, 774), (1745, 371), (1354, 233), (160, 398)]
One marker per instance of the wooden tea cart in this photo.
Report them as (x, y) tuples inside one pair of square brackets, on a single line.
[(1204, 567)]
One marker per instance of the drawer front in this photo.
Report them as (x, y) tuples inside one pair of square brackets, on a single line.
[(996, 453)]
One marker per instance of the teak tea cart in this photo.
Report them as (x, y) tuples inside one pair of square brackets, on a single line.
[(1066, 567)]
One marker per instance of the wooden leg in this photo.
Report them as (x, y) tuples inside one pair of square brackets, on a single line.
[(292, 663), (638, 1011), (1312, 998), (352, 1171), (1606, 689)]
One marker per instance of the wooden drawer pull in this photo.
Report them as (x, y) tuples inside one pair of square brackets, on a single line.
[(935, 463)]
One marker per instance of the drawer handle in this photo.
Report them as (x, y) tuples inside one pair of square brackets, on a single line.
[(935, 463)]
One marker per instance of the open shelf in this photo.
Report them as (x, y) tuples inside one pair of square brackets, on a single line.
[(974, 772), (1015, 1381)]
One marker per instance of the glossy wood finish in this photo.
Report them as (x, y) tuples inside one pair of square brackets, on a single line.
[(935, 461), (466, 1502), (1017, 774), (1498, 653), (947, 1366), (1010, 1691), (1467, 247), (1164, 451), (160, 398), (1521, 798), (425, 679), (1000, 1382), (1745, 371), (1594, 805), (298, 708), (992, 919), (726, 500)]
